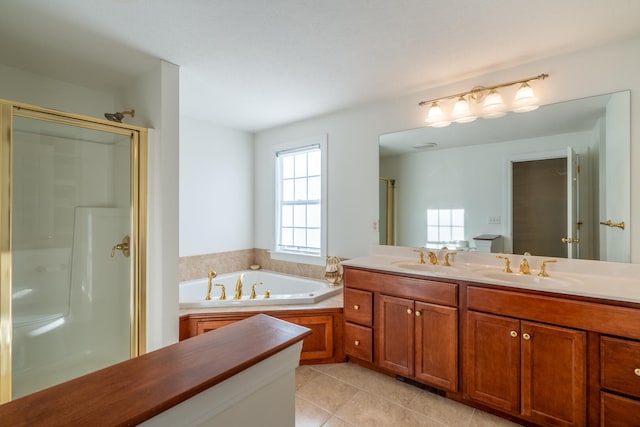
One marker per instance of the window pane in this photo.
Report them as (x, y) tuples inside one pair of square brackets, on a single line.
[(287, 167), (445, 217), (301, 165), (445, 234), (457, 217), (432, 217), (457, 233), (287, 190), (287, 216), (432, 234), (299, 237), (287, 237), (301, 188), (313, 238), (313, 216), (314, 188), (300, 215), (314, 163)]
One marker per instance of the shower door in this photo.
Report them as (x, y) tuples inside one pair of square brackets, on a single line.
[(74, 226)]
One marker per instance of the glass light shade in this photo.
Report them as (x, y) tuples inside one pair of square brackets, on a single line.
[(525, 100), (462, 112), (493, 105), (435, 117)]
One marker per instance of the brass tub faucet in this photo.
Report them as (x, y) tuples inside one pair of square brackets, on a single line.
[(238, 294), (433, 259)]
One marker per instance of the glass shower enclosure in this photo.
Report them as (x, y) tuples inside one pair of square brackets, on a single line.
[(72, 210)]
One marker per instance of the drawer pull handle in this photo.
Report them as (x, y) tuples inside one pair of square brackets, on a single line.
[(409, 311), (418, 313), (356, 307), (526, 336), (514, 334), (637, 371), (356, 342)]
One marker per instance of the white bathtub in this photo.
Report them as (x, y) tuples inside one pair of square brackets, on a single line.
[(283, 289)]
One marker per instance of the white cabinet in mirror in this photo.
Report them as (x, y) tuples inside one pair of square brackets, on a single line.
[(544, 180)]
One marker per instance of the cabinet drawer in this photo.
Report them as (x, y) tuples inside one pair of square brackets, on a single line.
[(620, 365), (357, 306), (358, 342), (619, 411)]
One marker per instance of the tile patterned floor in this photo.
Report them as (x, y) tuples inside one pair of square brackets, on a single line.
[(345, 394)]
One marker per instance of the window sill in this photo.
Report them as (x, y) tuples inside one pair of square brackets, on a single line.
[(299, 258)]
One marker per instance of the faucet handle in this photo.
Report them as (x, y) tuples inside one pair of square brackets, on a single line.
[(507, 264), (223, 294), (433, 259), (253, 290), (447, 257), (421, 255), (543, 267)]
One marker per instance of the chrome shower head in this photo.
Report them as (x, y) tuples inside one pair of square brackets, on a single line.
[(118, 116)]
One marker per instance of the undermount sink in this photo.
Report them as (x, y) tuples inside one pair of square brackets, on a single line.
[(437, 268), (530, 279)]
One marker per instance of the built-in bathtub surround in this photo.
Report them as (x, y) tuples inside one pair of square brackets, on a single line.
[(198, 266)]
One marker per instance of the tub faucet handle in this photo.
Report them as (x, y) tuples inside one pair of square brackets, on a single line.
[(253, 290), (421, 255), (223, 294)]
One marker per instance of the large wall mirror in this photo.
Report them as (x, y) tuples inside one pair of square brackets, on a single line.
[(552, 182)]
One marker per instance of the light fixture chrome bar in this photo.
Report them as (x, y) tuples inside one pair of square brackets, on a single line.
[(481, 89)]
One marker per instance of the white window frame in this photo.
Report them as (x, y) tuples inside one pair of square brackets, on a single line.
[(438, 244), (277, 252)]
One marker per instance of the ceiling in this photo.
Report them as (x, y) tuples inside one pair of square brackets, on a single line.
[(256, 64)]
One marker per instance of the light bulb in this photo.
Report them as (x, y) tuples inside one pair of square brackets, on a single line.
[(462, 112), (435, 117), (493, 105), (525, 100)]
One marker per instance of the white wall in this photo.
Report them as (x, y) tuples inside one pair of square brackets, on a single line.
[(155, 97), (216, 188), (353, 139)]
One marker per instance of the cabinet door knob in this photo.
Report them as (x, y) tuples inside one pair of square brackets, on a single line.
[(356, 307), (409, 311), (526, 336), (514, 334), (637, 371), (356, 343), (418, 313)]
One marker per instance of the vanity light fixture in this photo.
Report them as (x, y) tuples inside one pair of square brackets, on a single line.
[(492, 103)]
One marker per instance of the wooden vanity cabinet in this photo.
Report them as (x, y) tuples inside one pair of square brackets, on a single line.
[(620, 375), (415, 325), (530, 369)]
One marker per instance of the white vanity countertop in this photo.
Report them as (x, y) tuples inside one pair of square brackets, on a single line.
[(598, 279)]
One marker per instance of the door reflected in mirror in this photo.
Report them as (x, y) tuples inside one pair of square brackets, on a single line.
[(471, 167)]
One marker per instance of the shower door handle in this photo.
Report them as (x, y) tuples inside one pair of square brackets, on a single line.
[(123, 246)]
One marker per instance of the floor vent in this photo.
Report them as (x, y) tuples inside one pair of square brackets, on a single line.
[(420, 385)]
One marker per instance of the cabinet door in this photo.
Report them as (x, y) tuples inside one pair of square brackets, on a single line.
[(492, 360), (436, 354), (553, 374), (394, 334)]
